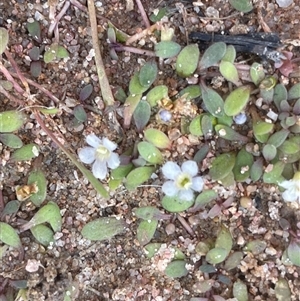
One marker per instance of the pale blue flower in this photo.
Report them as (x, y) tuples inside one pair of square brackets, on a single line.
[(100, 153), (292, 193), (183, 181)]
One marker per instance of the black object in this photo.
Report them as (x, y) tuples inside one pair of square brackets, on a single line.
[(261, 44)]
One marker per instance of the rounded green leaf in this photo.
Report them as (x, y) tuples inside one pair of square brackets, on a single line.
[(262, 128), (141, 115), (212, 55), (86, 92), (34, 29), (187, 60), (146, 231), (230, 54), (121, 172), (42, 234), (222, 166), (152, 248), (9, 236), (11, 207), (293, 252), (224, 239), (282, 290), (26, 152), (240, 291), (62, 52), (150, 153), (135, 87), (176, 269), (166, 49), (228, 133), (131, 104), (269, 152), (216, 255), (257, 73), (148, 74), (244, 6), (11, 140), (38, 177), (195, 126), (229, 71), (3, 39), (255, 246), (156, 94), (233, 260), (236, 101), (243, 163), (294, 92), (11, 121), (138, 176), (274, 175), (213, 102), (173, 204), (204, 198), (103, 228), (289, 147), (280, 94), (157, 138), (278, 138), (190, 92), (80, 113)]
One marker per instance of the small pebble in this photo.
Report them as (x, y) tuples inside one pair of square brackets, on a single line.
[(170, 229), (246, 202)]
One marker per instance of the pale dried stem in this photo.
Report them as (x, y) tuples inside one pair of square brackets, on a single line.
[(6, 73), (185, 225), (137, 50), (11, 97), (145, 32), (103, 81)]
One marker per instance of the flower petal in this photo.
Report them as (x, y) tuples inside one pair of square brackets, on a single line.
[(287, 184), (290, 195), (87, 155), (197, 184), (171, 170), (109, 144), (99, 169), (190, 167), (169, 188), (186, 195), (93, 140), (113, 161)]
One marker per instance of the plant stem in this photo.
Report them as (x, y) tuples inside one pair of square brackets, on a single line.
[(143, 13), (103, 81)]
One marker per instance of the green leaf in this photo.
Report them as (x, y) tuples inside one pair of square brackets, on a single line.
[(228, 133), (274, 175), (289, 147), (293, 252), (26, 152), (280, 94), (166, 49), (255, 246), (49, 213), (135, 87), (103, 228), (244, 6), (262, 128), (80, 113), (269, 152), (34, 29), (11, 140), (62, 53), (174, 204), (243, 163), (212, 55), (121, 172), (156, 94), (130, 105), (229, 72), (11, 207), (155, 17), (233, 260), (48, 110), (191, 92), (187, 60), (138, 176), (204, 198), (86, 92), (282, 289), (42, 234), (148, 74), (202, 153), (294, 92), (213, 102), (230, 54), (3, 39), (11, 121), (9, 236), (141, 115), (157, 138), (195, 126), (257, 73), (35, 68), (222, 166), (152, 248), (224, 239), (240, 291), (278, 138), (38, 177), (236, 101), (176, 269), (216, 255), (149, 213), (150, 153), (146, 231)]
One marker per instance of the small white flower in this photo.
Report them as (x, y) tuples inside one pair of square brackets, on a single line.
[(292, 193), (100, 153), (183, 180)]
